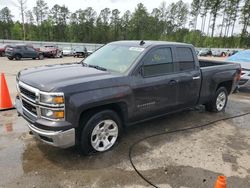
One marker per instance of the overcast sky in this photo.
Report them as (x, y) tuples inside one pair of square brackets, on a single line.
[(97, 5)]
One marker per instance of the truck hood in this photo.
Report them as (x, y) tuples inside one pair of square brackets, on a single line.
[(53, 77)]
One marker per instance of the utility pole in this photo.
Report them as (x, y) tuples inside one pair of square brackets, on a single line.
[(22, 8)]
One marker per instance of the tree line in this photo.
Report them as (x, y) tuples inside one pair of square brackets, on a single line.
[(178, 21)]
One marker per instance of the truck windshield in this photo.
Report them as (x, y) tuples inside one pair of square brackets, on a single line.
[(114, 57)]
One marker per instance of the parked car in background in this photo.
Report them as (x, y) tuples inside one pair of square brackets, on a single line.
[(232, 52), (197, 51), (2, 49), (67, 51), (18, 52), (205, 52), (51, 51), (219, 53), (243, 58), (82, 52)]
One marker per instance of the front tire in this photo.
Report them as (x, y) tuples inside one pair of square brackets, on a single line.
[(219, 101), (100, 133)]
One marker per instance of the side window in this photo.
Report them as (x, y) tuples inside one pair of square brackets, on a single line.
[(158, 62), (30, 49), (185, 58)]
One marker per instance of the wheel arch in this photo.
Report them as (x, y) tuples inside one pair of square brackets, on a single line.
[(119, 107), (227, 84)]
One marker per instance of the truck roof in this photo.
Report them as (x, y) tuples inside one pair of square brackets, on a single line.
[(148, 43)]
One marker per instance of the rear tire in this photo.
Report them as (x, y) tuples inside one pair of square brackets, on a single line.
[(41, 56), (100, 133), (10, 58), (223, 54), (219, 101), (18, 57)]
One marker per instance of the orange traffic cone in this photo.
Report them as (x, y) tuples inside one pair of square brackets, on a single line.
[(5, 101), (221, 182)]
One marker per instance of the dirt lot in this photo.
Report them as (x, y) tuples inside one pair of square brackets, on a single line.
[(192, 158)]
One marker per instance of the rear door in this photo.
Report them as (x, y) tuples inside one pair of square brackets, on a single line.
[(189, 80), (155, 89)]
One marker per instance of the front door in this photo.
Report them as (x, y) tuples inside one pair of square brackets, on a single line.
[(155, 89)]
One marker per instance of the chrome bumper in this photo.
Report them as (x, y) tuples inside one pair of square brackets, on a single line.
[(62, 139)]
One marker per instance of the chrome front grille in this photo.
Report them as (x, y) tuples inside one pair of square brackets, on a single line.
[(30, 107), (31, 104), (29, 94)]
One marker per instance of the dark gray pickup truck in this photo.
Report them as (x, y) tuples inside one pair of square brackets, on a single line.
[(87, 104)]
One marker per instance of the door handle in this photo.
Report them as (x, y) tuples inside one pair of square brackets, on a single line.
[(196, 77), (172, 82)]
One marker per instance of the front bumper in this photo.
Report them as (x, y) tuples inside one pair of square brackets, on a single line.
[(9, 54), (62, 139), (244, 83), (57, 138)]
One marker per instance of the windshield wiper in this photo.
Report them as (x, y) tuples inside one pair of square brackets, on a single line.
[(94, 66), (84, 64), (98, 67)]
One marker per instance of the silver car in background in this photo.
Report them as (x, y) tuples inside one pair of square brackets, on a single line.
[(245, 75), (242, 57)]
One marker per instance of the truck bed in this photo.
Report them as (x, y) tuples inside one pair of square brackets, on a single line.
[(209, 63), (214, 72)]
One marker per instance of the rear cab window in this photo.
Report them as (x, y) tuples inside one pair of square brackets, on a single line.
[(185, 59)]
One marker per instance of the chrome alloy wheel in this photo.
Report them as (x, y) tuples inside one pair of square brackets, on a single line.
[(104, 135), (221, 101)]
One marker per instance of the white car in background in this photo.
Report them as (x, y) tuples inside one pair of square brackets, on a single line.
[(242, 57), (68, 51)]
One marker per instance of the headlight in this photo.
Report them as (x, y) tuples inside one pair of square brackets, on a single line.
[(52, 114), (51, 99)]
